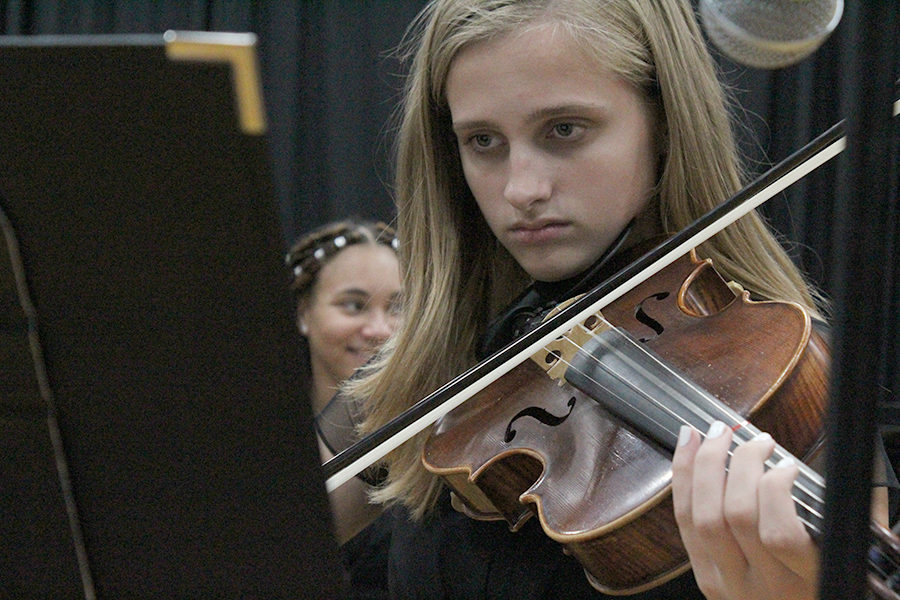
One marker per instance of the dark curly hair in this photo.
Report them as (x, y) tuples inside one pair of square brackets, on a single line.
[(313, 250)]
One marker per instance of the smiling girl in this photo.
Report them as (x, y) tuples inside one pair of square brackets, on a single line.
[(346, 285)]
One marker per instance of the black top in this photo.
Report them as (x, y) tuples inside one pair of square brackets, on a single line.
[(450, 556), (365, 560)]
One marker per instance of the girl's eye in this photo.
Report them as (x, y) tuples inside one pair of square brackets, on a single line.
[(481, 141), (353, 306), (565, 130)]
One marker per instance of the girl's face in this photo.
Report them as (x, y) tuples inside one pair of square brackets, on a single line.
[(351, 311), (558, 151)]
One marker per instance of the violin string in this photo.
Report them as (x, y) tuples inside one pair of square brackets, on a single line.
[(881, 561), (737, 439), (741, 428)]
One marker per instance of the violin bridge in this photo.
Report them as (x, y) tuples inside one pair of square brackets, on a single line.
[(556, 356)]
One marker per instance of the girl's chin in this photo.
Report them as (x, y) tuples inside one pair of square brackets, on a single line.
[(550, 263), (549, 273), (559, 268)]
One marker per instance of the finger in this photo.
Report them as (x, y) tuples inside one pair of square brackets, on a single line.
[(683, 477), (742, 510), (741, 499), (708, 507), (702, 563), (780, 529)]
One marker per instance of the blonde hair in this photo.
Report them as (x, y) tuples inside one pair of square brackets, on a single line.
[(458, 275)]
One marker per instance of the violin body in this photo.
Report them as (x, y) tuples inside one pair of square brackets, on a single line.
[(532, 444)]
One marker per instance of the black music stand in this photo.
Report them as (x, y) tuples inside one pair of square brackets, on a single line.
[(135, 177)]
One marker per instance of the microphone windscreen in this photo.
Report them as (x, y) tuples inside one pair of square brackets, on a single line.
[(769, 34)]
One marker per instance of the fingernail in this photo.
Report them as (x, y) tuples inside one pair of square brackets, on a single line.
[(715, 430), (762, 437), (684, 435), (787, 461)]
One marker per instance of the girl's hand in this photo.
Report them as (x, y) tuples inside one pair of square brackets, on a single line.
[(740, 527)]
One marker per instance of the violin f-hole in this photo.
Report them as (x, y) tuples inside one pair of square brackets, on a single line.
[(536, 412), (641, 315)]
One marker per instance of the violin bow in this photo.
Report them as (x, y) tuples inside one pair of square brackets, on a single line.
[(367, 451)]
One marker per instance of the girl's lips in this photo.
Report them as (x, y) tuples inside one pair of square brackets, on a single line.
[(362, 354), (537, 233)]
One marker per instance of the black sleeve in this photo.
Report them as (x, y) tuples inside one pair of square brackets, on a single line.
[(336, 427), (336, 424)]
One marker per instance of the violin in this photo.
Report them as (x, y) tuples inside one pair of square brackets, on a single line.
[(581, 435)]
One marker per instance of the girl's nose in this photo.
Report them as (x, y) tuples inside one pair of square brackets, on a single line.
[(380, 326), (526, 182)]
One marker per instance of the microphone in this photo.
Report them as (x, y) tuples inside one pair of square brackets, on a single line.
[(769, 34)]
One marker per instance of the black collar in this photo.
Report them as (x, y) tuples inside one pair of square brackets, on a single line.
[(529, 309)]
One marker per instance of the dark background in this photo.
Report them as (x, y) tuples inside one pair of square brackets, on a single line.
[(331, 83)]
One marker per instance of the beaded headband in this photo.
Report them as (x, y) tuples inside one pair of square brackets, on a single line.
[(307, 261)]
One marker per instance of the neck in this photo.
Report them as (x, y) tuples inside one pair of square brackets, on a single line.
[(323, 388)]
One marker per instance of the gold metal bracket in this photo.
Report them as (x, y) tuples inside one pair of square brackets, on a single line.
[(236, 49)]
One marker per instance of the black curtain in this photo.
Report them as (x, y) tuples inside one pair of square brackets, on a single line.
[(331, 85)]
